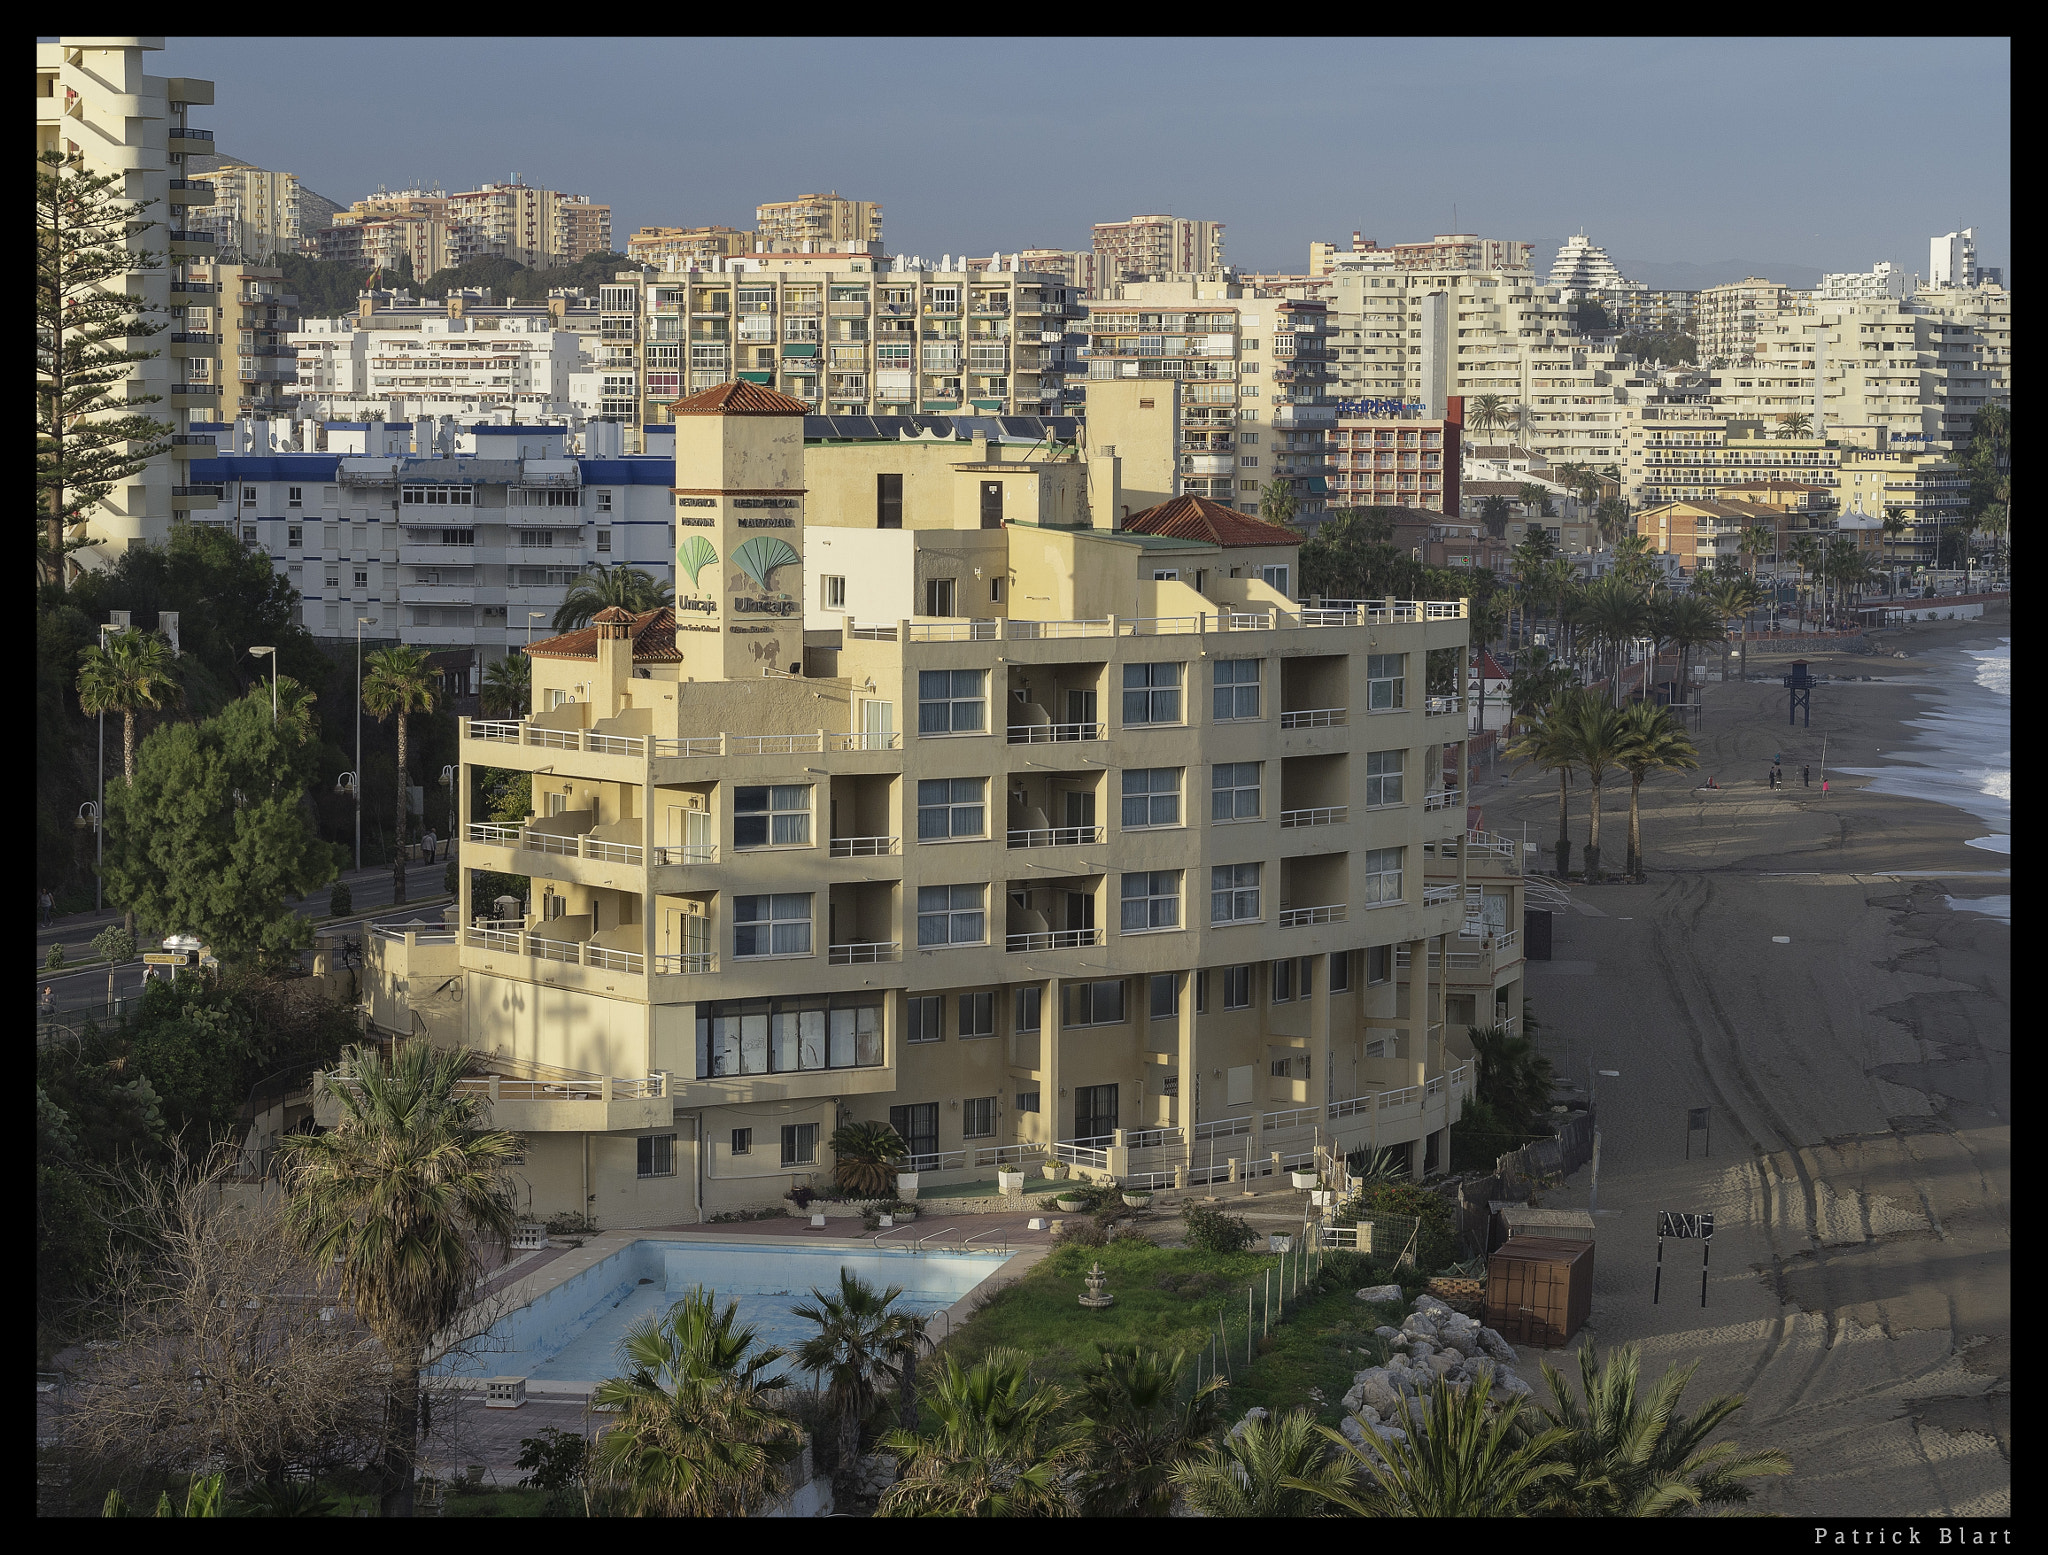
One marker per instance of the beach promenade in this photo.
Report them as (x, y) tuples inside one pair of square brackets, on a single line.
[(1794, 963)]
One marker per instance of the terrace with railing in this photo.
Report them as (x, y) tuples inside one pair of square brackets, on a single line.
[(589, 847)]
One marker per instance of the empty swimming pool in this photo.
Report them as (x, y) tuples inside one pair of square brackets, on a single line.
[(570, 1333)]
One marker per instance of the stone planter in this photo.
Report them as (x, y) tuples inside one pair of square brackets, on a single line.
[(1304, 1179), (1071, 1206), (1322, 1198), (906, 1185), (1053, 1169), (1010, 1184), (1137, 1200)]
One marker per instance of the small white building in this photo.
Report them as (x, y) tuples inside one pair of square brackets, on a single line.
[(442, 367)]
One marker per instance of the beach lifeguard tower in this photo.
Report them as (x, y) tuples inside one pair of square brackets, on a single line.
[(1800, 685)]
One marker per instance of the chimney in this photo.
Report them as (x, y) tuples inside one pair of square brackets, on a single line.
[(614, 658)]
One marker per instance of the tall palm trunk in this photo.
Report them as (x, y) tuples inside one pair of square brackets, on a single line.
[(1564, 825), (846, 1483), (401, 1425), (1635, 828), (398, 834), (1593, 838), (128, 745)]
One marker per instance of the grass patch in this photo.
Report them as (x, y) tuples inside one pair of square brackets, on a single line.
[(1166, 1298), (1325, 1340), (497, 1503)]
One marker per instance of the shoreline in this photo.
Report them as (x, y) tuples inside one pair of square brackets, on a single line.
[(1794, 963)]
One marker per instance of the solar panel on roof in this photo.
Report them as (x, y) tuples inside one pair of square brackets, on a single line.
[(857, 426), (816, 427)]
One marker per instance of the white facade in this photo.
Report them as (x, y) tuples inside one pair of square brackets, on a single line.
[(1952, 258), (1583, 268), (445, 366), (1880, 281)]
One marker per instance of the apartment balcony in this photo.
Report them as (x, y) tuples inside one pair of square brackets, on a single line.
[(538, 1098), (193, 142), (190, 191), (1315, 815), (191, 245), (194, 395), (186, 344), (201, 288), (1056, 837), (1207, 464)]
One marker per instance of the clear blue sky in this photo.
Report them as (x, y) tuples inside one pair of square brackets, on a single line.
[(1828, 153)]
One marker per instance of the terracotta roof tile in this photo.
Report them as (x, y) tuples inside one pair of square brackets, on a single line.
[(739, 399), (1197, 518), (654, 638)]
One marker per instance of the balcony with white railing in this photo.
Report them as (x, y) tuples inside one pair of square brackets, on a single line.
[(1319, 815), (1053, 939), (530, 1098), (1440, 799), (1053, 734), (1435, 895), (1303, 917), (1056, 837), (824, 742), (863, 953), (1316, 718), (1438, 706), (865, 847)]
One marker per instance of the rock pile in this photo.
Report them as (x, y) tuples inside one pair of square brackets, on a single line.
[(1434, 1346)]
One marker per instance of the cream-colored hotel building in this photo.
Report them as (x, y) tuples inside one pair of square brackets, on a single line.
[(934, 802)]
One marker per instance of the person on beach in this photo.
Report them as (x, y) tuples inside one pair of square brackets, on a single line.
[(1806, 777), (1823, 788)]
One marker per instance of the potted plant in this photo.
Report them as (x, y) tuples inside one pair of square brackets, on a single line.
[(1304, 1180), (903, 1213), (1010, 1184), (906, 1185), (1137, 1198), (1071, 1203), (864, 1157), (1053, 1169)]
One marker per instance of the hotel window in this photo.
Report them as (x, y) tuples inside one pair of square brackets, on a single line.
[(1234, 893), (924, 1018), (1028, 1000), (1151, 797), (1027, 1101), (952, 915), (1151, 900), (978, 1117), (294, 536), (742, 1141), (1282, 982), (951, 807), (1234, 791), (977, 1015), (888, 502), (1237, 988), (1340, 971), (834, 593), (1163, 995), (778, 925), (604, 540), (657, 1155), (295, 496), (778, 817), (799, 1144), (1276, 578), (952, 701), (1092, 1004), (1383, 777), (1151, 694), (1237, 689), (1386, 683), (1382, 883)]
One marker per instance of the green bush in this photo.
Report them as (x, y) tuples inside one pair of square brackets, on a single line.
[(1212, 1231), (1436, 1238), (54, 961), (340, 901), (448, 880)]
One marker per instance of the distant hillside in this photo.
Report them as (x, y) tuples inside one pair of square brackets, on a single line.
[(1683, 276)]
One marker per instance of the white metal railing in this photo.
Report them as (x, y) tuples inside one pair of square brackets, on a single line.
[(1440, 799), (1030, 631), (1251, 620), (774, 745), (1377, 611), (493, 939), (1440, 705), (614, 960), (554, 739), (1325, 617), (504, 836), (612, 852), (1461, 960), (1007, 1156), (554, 949), (1351, 1107), (1080, 1155), (872, 632), (1223, 1128), (863, 847), (1433, 894), (1056, 939), (984, 631), (686, 963), (1407, 1095), (1509, 940), (696, 745), (1051, 734), (507, 730), (1293, 1117), (686, 853), (397, 932), (1321, 815), (1152, 1138), (1299, 917), (1315, 718), (614, 744), (936, 1161), (865, 740), (1056, 837), (863, 953), (1157, 626)]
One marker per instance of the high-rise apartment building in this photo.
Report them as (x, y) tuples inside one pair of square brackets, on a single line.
[(378, 231), (1881, 281), (825, 221), (1582, 269), (1251, 371), (241, 339), (1952, 259), (1156, 246), (1074, 266), (258, 213), (1640, 310), (1233, 901), (1462, 251), (538, 228), (672, 248), (1380, 456), (1732, 316), (96, 105)]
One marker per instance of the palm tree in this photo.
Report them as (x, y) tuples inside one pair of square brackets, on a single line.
[(128, 673), (1615, 612), (1487, 412), (401, 682), (1545, 742), (508, 685), (857, 1337), (1494, 513), (1754, 541), (398, 1199), (1538, 679), (1534, 499), (1513, 1076), (1276, 1467), (1277, 502), (1143, 1423), (1651, 741), (864, 1159), (1805, 552), (1692, 622), (599, 587), (1795, 423), (693, 1436), (1594, 728), (1627, 1456), (1462, 1459), (1612, 517), (1573, 475), (1895, 527), (995, 1448), (1734, 597), (1997, 523)]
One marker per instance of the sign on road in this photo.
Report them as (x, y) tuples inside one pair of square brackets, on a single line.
[(1685, 1227)]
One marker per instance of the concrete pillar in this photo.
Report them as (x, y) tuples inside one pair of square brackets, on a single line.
[(1319, 1087), (1190, 1076), (1050, 1104)]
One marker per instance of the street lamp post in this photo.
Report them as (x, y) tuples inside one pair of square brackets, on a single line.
[(448, 782), (361, 622), (1593, 1197), (531, 617), (270, 654), (99, 836)]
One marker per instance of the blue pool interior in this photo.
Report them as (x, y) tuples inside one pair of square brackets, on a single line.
[(571, 1333)]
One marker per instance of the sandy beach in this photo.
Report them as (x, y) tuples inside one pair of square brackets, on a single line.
[(1794, 962)]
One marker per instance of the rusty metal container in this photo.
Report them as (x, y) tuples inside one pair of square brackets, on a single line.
[(1539, 1290)]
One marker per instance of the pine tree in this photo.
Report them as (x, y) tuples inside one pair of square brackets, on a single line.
[(90, 435)]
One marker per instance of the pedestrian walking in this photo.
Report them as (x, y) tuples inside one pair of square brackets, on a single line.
[(1806, 777), (427, 841), (47, 901), (1823, 788), (49, 1000)]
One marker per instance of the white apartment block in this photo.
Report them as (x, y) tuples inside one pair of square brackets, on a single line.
[(1582, 269), (827, 223), (1147, 246), (849, 334), (1952, 259), (95, 103), (1733, 316), (1248, 371), (1883, 281), (258, 213), (449, 541), (441, 366), (533, 227)]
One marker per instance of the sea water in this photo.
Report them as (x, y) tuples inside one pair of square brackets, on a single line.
[(1961, 754)]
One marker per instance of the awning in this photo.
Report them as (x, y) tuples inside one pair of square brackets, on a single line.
[(941, 406), (807, 349), (767, 378), (986, 404), (1318, 486)]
